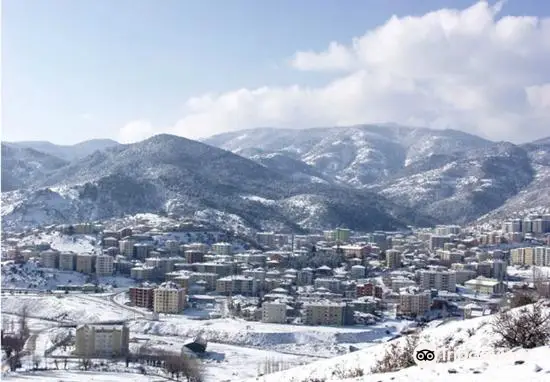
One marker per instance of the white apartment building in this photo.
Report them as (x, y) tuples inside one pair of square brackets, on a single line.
[(104, 265), (222, 249), (393, 259), (237, 284), (332, 284), (274, 312), (102, 340), (542, 256), (438, 279), (169, 297), (358, 272), (126, 248), (414, 303)]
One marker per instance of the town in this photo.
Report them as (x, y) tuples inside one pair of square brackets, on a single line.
[(336, 278)]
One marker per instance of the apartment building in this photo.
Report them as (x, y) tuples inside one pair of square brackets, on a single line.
[(449, 257), (109, 242), (485, 286), (438, 279), (266, 239), (523, 256), (222, 249), (221, 269), (411, 303), (84, 263), (169, 297), (358, 272), (67, 261), (142, 273), (332, 284), (104, 265), (126, 247), (542, 256), (274, 312), (142, 296), (193, 256), (49, 259), (369, 289), (102, 340), (393, 259), (141, 251), (438, 241), (324, 313), (357, 251), (237, 284)]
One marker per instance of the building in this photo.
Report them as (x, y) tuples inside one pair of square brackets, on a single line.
[(485, 286), (324, 313), (109, 242), (274, 312), (126, 248), (67, 261), (222, 249), (169, 297), (357, 251), (393, 259), (369, 289), (142, 297), (84, 263), (542, 256), (417, 304), (193, 256), (438, 279), (266, 239), (104, 265), (358, 272), (438, 241), (102, 341), (237, 284), (49, 259)]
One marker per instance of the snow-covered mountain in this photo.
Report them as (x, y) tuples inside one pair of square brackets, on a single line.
[(450, 175), (171, 174), (67, 152), (22, 166)]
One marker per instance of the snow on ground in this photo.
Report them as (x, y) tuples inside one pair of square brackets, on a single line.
[(527, 273), (296, 339), (61, 242), (74, 308), (474, 335), (77, 376)]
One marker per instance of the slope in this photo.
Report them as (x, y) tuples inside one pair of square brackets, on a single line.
[(67, 152), (175, 175)]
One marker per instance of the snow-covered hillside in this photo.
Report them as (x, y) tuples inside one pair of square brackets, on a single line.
[(474, 337)]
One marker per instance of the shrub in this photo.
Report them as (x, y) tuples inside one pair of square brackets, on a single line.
[(528, 328), (397, 357)]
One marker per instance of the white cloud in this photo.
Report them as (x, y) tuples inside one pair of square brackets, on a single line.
[(470, 69), (135, 131)]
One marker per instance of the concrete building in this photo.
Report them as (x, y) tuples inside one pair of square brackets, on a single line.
[(102, 341), (334, 285), (485, 286), (266, 239), (104, 265), (84, 263), (67, 261), (222, 249), (126, 248), (193, 256), (438, 279), (142, 297), (142, 273), (542, 256), (237, 284), (358, 272), (140, 251), (324, 313), (411, 303), (49, 259), (274, 312), (110, 241), (393, 259), (169, 297), (369, 289), (438, 241)]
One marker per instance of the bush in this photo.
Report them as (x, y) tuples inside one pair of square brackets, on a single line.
[(397, 357), (528, 328)]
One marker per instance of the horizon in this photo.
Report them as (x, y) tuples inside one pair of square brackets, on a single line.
[(128, 70)]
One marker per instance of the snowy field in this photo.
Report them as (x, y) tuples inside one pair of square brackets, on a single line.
[(527, 273), (77, 376)]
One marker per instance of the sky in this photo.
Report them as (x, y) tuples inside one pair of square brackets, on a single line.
[(129, 69)]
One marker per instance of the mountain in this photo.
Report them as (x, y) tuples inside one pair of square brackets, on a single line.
[(23, 166), (451, 175), (67, 152), (174, 175)]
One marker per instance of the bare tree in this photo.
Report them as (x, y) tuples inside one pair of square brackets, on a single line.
[(523, 296), (85, 363), (183, 365), (397, 356), (36, 361), (527, 328)]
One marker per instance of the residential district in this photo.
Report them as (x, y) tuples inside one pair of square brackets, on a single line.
[(336, 277)]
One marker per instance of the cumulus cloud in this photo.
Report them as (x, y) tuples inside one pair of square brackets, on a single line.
[(135, 131), (471, 69)]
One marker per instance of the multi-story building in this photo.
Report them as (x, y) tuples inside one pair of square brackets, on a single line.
[(485, 286), (237, 284), (274, 312), (193, 256), (169, 297), (126, 247), (125, 232), (221, 269), (67, 261), (266, 239), (358, 251), (110, 241), (49, 259), (542, 256), (393, 259), (142, 297), (84, 263), (104, 265), (411, 303), (142, 273), (222, 249), (438, 241), (369, 289), (324, 313), (141, 251), (102, 341), (358, 271), (332, 284), (498, 270), (438, 279)]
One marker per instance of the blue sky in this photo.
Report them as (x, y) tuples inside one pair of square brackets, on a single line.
[(75, 70)]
